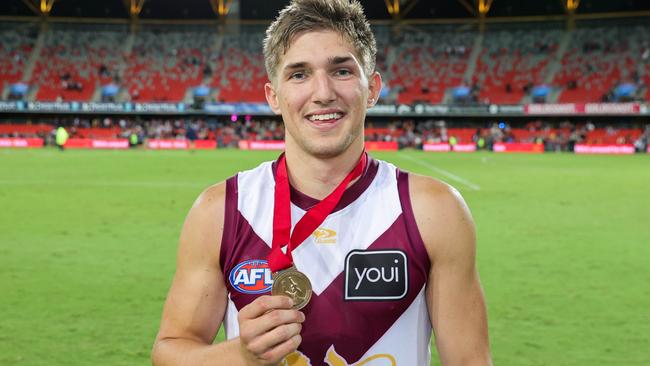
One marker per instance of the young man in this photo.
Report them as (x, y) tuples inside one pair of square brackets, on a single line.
[(366, 259)]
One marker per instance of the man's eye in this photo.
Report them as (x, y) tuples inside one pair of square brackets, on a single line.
[(343, 72), (297, 76)]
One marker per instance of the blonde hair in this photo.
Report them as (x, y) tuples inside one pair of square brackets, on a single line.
[(345, 17)]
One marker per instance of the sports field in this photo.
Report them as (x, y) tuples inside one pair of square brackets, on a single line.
[(88, 240)]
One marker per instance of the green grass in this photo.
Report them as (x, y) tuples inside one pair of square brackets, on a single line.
[(88, 241)]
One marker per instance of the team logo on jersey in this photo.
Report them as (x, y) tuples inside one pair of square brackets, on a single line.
[(324, 236), (376, 275), (332, 358), (251, 277)]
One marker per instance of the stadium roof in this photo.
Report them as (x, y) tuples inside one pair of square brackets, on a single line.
[(265, 9)]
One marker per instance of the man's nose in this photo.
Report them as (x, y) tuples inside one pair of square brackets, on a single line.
[(323, 92)]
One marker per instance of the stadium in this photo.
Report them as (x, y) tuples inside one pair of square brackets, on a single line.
[(537, 112)]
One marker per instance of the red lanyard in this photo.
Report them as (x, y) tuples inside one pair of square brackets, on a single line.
[(315, 216)]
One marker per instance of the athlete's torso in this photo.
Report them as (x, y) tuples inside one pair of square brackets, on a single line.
[(367, 264)]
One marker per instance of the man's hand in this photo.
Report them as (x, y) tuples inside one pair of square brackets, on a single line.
[(269, 330)]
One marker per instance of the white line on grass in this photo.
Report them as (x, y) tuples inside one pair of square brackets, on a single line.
[(444, 172)]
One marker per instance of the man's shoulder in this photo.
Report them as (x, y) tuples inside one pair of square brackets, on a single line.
[(440, 211), (432, 192), (203, 227), (213, 197)]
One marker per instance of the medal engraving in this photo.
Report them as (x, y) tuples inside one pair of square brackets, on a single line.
[(294, 284)]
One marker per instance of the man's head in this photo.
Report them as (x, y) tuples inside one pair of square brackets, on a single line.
[(320, 55), (344, 17)]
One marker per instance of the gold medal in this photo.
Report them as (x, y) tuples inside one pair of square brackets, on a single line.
[(294, 284)]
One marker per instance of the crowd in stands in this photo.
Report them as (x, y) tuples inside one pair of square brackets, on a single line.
[(16, 44), (599, 59), (512, 62), (419, 63), (406, 133), (74, 62)]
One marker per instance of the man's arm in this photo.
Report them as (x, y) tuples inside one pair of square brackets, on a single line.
[(197, 299), (454, 295)]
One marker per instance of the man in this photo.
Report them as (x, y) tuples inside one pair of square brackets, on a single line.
[(61, 137), (383, 255)]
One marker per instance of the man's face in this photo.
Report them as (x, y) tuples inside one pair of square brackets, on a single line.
[(322, 93)]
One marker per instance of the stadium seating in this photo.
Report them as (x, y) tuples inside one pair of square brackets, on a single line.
[(419, 63), (16, 44), (423, 73), (71, 61), (601, 57), (164, 64), (512, 61), (240, 73)]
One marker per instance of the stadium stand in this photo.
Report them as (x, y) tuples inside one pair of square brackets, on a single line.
[(163, 64), (407, 133), (419, 63), (16, 43), (423, 74), (512, 62), (76, 60), (601, 58), (240, 73)]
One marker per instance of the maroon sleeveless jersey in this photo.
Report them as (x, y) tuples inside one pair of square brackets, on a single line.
[(367, 264)]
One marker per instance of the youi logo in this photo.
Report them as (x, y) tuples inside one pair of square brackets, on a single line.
[(251, 277)]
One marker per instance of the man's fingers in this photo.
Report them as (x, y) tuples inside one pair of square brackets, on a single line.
[(274, 338), (252, 328), (283, 349), (264, 304)]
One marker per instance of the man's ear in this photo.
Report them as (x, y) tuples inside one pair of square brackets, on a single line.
[(374, 86), (272, 98)]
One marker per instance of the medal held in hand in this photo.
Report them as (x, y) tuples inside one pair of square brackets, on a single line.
[(294, 284), (287, 280)]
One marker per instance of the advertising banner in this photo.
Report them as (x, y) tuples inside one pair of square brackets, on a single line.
[(154, 144), (261, 145), (76, 143), (604, 149), (167, 144), (513, 147), (445, 147), (583, 108), (381, 146), (439, 147), (18, 142)]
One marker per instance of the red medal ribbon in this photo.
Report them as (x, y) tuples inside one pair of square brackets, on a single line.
[(315, 216)]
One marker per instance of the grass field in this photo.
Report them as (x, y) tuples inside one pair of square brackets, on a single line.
[(88, 240)]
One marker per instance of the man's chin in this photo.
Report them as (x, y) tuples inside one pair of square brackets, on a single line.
[(328, 150)]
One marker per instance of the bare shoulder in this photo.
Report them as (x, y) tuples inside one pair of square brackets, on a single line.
[(203, 227), (443, 218)]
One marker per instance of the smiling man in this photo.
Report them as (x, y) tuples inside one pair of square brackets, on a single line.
[(399, 257)]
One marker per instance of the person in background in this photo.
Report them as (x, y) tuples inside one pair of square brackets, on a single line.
[(61, 137)]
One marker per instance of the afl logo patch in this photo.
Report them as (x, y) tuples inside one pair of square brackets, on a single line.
[(251, 277)]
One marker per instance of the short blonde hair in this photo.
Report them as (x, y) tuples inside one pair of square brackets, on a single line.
[(345, 17)]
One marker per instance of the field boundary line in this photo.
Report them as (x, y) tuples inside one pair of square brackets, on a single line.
[(444, 172)]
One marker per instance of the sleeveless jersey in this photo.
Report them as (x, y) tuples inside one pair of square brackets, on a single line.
[(367, 264)]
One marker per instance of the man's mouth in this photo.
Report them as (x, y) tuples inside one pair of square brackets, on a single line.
[(325, 117)]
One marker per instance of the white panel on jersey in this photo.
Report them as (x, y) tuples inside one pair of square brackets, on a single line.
[(230, 320), (407, 330), (255, 199), (357, 226)]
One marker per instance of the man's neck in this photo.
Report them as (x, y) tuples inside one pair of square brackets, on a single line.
[(317, 177)]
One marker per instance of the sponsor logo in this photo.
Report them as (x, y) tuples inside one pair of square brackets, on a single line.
[(324, 236), (251, 277), (332, 358), (376, 275)]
